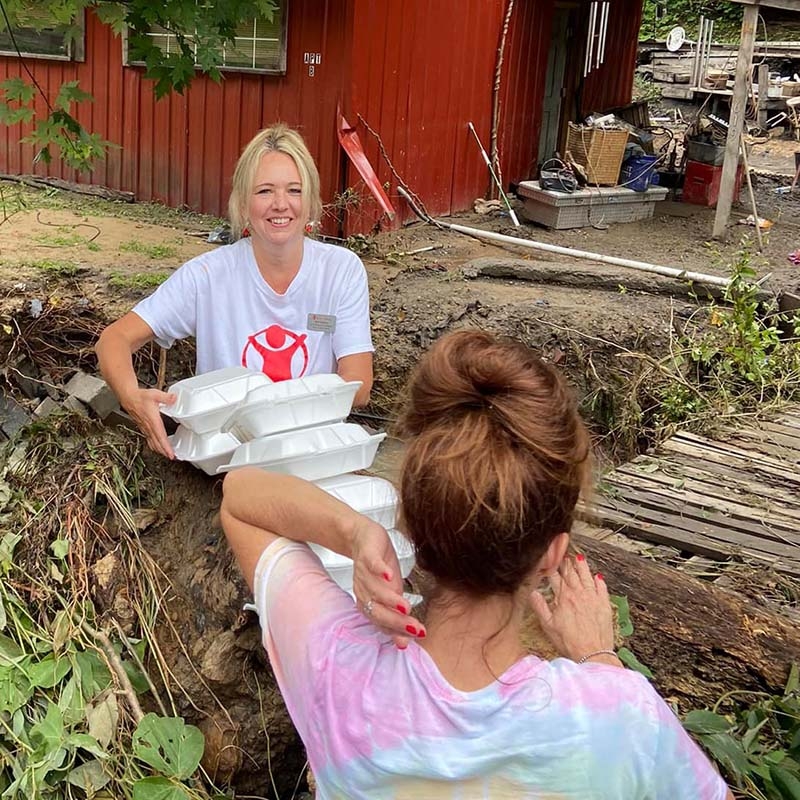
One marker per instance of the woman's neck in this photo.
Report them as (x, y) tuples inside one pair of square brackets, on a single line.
[(473, 642), (279, 265)]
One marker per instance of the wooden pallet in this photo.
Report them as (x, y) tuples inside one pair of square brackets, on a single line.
[(736, 495)]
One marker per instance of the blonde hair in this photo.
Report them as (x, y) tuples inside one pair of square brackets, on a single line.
[(278, 138)]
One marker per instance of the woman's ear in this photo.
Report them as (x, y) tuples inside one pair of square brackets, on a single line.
[(554, 555)]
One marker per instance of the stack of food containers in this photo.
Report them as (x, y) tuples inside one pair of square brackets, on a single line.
[(236, 417)]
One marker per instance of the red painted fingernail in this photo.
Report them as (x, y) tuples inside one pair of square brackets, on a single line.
[(411, 629), (580, 557), (387, 576), (421, 635), (600, 576), (401, 609)]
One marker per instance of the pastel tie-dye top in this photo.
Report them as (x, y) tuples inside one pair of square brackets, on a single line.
[(382, 723)]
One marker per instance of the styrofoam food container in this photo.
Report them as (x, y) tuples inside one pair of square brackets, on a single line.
[(310, 453), (204, 402), (340, 568), (375, 498), (297, 403), (205, 451)]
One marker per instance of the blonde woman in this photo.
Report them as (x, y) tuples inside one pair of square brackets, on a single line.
[(274, 300)]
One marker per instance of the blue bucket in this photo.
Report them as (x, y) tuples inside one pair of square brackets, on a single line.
[(638, 173)]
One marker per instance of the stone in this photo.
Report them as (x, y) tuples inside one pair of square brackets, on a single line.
[(13, 417), (26, 376), (222, 661), (94, 392), (47, 407)]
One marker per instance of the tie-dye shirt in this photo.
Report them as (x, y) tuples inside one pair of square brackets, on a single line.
[(380, 723)]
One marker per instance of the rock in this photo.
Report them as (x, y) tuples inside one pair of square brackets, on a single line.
[(47, 407), (13, 417), (222, 661), (94, 392), (26, 376), (222, 757)]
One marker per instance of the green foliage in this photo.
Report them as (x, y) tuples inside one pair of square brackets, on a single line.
[(201, 29), (137, 280), (58, 269), (738, 361), (625, 629), (154, 251), (660, 16), (757, 744)]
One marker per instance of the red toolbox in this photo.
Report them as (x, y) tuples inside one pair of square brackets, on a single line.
[(701, 184)]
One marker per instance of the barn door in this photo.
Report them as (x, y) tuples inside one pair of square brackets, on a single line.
[(554, 84)]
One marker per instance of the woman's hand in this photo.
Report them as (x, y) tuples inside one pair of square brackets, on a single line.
[(143, 406), (579, 621), (378, 584)]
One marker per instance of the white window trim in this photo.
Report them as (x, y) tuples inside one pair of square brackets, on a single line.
[(279, 70), (76, 49)]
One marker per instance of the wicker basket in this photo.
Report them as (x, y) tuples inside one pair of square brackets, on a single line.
[(599, 151)]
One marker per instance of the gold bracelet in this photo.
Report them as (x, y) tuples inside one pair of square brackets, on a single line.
[(598, 653)]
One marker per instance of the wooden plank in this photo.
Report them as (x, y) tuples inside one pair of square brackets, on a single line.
[(664, 532), (641, 505), (735, 515), (706, 444), (686, 541), (717, 487), (786, 448)]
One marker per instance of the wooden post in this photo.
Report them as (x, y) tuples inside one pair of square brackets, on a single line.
[(763, 89), (736, 122)]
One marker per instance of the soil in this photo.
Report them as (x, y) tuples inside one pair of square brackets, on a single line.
[(593, 320)]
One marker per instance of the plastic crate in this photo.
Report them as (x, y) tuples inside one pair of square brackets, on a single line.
[(705, 153), (586, 207), (638, 173)]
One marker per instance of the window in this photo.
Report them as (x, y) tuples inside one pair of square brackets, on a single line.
[(259, 45), (41, 36)]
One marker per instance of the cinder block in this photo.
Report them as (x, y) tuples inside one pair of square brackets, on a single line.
[(46, 408), (94, 392), (13, 417), (73, 404)]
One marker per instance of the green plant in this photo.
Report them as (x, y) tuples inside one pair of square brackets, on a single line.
[(155, 251), (625, 629), (660, 16), (644, 89), (58, 269), (137, 280), (738, 360), (61, 239), (756, 744)]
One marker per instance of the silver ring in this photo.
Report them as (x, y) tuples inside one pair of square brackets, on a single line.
[(368, 607)]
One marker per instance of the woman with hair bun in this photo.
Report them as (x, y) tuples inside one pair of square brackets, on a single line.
[(455, 707), (274, 301)]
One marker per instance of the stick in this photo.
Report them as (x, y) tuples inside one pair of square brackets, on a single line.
[(494, 177), (162, 370), (752, 194)]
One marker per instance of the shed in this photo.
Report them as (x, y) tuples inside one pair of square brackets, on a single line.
[(415, 71)]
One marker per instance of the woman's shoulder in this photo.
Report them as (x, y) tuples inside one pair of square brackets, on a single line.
[(220, 259), (332, 255)]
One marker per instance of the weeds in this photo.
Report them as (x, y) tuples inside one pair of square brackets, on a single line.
[(55, 268), (139, 281), (757, 744), (155, 251)]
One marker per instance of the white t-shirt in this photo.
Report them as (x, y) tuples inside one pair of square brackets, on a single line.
[(237, 319)]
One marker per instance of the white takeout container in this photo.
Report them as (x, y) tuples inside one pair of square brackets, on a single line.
[(204, 402), (292, 404), (340, 568), (311, 453), (373, 497), (205, 451)]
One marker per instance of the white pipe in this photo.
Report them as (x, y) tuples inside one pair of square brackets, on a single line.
[(601, 47), (494, 176), (587, 66), (709, 40), (670, 272)]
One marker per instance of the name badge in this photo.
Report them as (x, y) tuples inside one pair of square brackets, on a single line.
[(324, 323)]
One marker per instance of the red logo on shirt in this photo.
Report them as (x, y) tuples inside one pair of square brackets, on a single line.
[(279, 353)]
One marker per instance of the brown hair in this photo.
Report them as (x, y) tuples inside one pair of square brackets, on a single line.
[(497, 456)]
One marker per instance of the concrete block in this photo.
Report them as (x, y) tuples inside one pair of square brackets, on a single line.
[(13, 417), (94, 392), (73, 404), (46, 408)]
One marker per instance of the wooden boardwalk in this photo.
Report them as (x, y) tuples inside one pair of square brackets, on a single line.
[(734, 495)]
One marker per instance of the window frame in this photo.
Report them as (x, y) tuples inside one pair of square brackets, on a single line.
[(279, 70), (76, 49)]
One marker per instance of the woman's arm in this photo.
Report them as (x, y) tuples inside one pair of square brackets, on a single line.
[(259, 506), (357, 367), (115, 349)]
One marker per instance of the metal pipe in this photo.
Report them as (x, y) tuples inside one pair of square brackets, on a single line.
[(709, 39), (698, 53), (670, 272), (601, 44), (494, 176)]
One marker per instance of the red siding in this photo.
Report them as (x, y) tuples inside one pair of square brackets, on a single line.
[(417, 71)]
